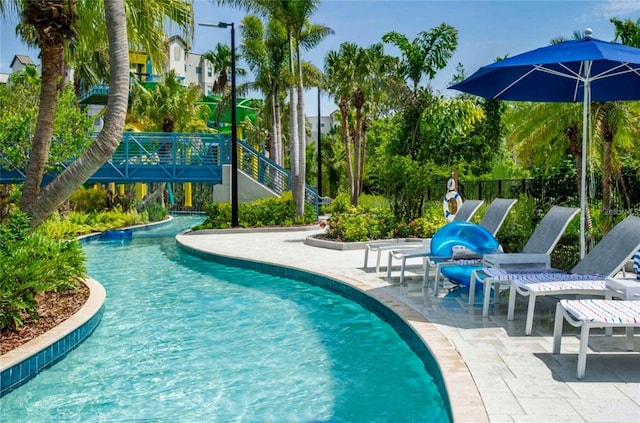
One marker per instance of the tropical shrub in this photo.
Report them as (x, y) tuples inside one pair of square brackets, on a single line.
[(156, 212), (31, 263), (76, 223), (88, 200), (351, 224), (272, 211)]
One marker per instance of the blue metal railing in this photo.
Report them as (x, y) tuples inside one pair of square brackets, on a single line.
[(179, 157), (269, 174)]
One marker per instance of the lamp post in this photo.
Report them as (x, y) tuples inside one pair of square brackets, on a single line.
[(319, 149), (234, 124)]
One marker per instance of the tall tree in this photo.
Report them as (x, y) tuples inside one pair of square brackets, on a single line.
[(54, 23), (265, 50), (428, 53), (295, 16), (354, 74), (45, 201)]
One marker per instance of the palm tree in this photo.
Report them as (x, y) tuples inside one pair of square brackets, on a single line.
[(265, 50), (428, 53), (541, 133), (168, 107), (55, 193), (614, 120), (294, 15), (53, 24), (220, 57), (356, 74)]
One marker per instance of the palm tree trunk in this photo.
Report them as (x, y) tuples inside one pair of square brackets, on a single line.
[(109, 138), (41, 144), (363, 153), (344, 115), (293, 144), (606, 173), (274, 130)]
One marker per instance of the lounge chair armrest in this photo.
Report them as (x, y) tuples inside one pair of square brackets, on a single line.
[(516, 260)]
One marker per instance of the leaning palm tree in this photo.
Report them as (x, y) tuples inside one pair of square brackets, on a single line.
[(54, 23), (39, 204)]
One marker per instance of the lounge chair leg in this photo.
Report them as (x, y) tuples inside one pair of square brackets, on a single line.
[(402, 267), (436, 283), (582, 354), (512, 301), (378, 260), (472, 288), (366, 256), (530, 313), (389, 264), (425, 278), (557, 329), (629, 334), (488, 283)]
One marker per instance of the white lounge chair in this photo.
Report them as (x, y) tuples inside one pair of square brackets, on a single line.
[(465, 213), (588, 277), (535, 254), (588, 314)]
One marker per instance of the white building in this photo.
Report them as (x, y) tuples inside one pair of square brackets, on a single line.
[(20, 62), (191, 67), (326, 123)]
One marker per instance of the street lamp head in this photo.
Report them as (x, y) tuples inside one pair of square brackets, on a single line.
[(218, 25)]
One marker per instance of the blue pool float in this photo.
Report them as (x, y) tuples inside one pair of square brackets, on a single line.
[(462, 234), (117, 234)]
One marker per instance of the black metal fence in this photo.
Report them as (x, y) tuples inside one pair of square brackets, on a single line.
[(625, 197)]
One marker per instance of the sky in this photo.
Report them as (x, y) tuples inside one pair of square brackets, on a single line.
[(486, 29)]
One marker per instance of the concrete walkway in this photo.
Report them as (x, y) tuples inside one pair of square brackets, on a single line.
[(492, 371)]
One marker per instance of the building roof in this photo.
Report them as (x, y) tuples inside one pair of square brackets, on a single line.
[(178, 39), (24, 60)]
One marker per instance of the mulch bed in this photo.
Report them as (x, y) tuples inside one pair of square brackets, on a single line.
[(53, 309)]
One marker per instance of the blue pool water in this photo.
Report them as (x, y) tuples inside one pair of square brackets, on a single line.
[(188, 340)]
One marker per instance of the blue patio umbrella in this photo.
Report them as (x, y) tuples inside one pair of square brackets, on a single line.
[(571, 71)]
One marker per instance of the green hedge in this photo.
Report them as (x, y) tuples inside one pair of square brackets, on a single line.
[(272, 211)]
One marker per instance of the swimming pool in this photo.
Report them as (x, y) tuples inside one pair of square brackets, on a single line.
[(184, 339)]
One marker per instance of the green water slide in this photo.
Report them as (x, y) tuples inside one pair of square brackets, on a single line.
[(221, 119)]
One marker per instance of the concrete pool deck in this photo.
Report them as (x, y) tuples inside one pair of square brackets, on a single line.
[(492, 371)]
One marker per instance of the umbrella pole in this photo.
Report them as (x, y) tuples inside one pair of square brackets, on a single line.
[(586, 106)]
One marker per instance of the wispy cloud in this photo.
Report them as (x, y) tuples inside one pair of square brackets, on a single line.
[(615, 9)]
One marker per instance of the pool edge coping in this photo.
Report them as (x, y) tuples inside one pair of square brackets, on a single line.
[(92, 308), (455, 374), (87, 317)]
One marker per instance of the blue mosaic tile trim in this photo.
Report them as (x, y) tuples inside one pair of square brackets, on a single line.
[(22, 372), (371, 304)]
